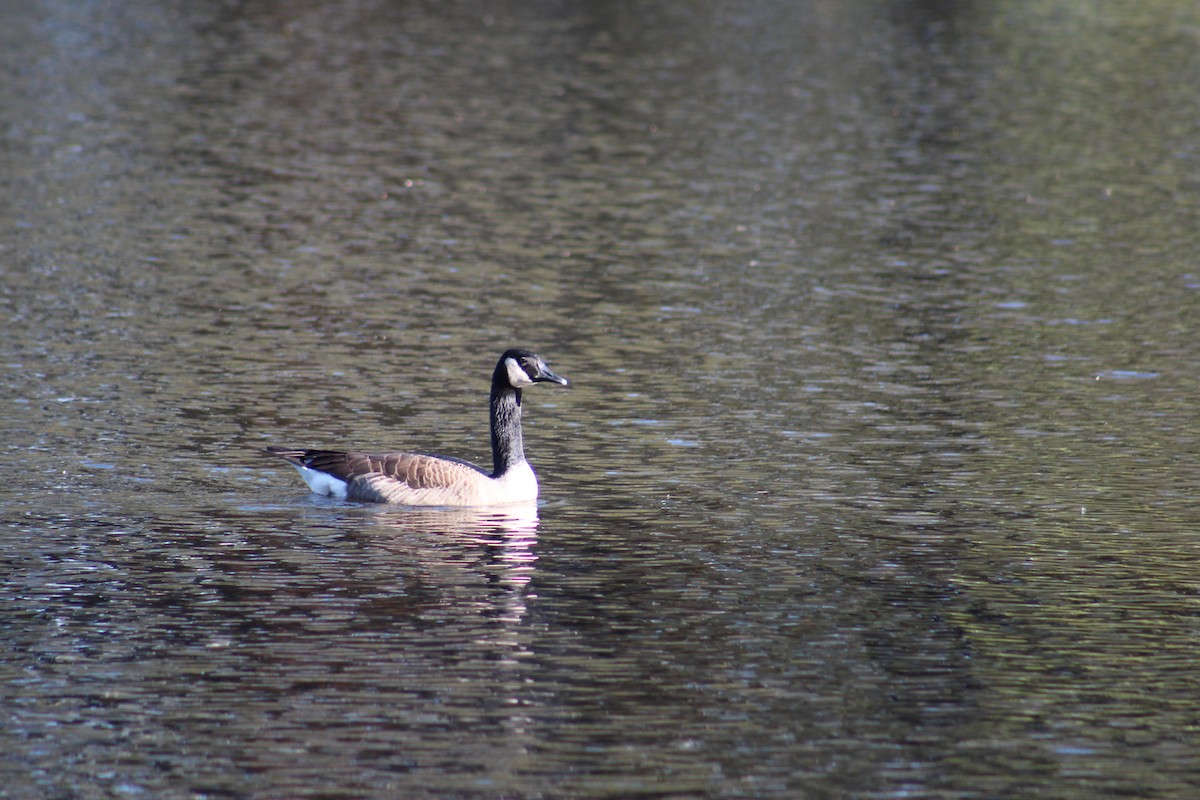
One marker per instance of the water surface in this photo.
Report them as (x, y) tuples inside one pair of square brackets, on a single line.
[(876, 473)]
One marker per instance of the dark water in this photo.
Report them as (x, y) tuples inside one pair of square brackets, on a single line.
[(877, 476)]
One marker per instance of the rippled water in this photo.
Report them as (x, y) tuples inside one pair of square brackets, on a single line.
[(876, 476)]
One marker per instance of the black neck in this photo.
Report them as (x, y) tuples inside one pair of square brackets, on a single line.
[(508, 449)]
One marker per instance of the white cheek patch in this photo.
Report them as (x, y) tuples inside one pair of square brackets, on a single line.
[(516, 375)]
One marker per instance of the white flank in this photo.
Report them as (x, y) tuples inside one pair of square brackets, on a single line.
[(518, 485)]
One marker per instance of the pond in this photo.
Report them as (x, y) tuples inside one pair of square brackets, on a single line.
[(876, 476)]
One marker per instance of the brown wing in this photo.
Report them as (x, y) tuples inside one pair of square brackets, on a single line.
[(411, 478)]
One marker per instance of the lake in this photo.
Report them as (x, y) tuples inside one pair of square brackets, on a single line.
[(877, 472)]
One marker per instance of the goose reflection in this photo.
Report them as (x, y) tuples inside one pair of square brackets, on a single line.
[(474, 566), (510, 520), (455, 547)]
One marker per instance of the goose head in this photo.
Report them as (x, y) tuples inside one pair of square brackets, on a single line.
[(521, 368)]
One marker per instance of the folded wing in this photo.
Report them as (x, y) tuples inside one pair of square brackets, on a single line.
[(406, 478)]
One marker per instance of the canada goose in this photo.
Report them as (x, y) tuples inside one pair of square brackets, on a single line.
[(424, 480)]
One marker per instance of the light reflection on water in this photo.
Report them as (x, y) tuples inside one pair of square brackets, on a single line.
[(874, 478)]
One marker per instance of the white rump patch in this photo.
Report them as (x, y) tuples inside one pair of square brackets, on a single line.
[(517, 376), (322, 482)]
